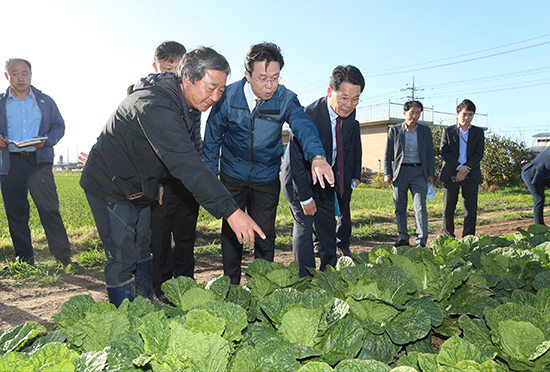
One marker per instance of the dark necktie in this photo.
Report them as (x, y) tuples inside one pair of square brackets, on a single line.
[(340, 155), (258, 103)]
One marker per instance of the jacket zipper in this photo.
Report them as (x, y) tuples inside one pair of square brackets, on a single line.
[(252, 121)]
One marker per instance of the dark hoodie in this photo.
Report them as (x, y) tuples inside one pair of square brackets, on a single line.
[(148, 136)]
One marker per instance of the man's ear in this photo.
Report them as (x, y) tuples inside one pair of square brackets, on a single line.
[(247, 76), (155, 67)]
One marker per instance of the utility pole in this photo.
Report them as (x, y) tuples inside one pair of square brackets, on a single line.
[(413, 89)]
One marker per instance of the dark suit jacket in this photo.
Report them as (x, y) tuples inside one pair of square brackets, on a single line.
[(296, 171), (395, 150), (538, 170), (450, 150)]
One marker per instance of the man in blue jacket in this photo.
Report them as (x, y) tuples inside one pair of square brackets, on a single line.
[(536, 175), (25, 112), (246, 124), (312, 206)]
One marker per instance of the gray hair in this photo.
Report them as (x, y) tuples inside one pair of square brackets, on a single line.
[(194, 63), (9, 61)]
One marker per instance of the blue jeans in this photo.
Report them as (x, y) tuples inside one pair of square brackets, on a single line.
[(125, 232), (26, 176)]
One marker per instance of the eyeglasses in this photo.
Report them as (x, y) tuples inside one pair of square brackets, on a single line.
[(345, 100), (265, 81)]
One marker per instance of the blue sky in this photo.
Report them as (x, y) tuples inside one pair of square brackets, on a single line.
[(86, 53)]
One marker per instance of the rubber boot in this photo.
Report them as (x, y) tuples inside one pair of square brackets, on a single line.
[(144, 278), (118, 294)]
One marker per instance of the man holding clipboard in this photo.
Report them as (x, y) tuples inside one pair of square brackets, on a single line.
[(31, 117)]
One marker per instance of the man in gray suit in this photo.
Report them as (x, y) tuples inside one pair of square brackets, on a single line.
[(462, 147), (409, 164)]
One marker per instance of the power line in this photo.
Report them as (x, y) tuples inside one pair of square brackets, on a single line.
[(463, 61)]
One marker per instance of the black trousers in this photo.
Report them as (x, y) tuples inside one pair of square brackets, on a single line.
[(264, 198), (469, 205), (173, 232)]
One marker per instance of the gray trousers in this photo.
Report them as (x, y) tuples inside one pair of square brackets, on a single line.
[(411, 178)]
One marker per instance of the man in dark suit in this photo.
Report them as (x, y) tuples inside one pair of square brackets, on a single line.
[(536, 176), (312, 206), (462, 148), (409, 163)]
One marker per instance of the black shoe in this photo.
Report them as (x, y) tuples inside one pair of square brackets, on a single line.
[(421, 245), (162, 298), (400, 243), (28, 260), (345, 252), (66, 261)]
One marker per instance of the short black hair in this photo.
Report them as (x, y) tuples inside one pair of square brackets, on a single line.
[(349, 74), (17, 60), (170, 50), (407, 106), (466, 104), (265, 51), (194, 63)]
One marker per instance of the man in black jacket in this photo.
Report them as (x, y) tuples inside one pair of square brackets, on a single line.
[(462, 148), (148, 136)]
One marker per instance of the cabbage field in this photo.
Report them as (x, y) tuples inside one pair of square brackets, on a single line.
[(475, 304)]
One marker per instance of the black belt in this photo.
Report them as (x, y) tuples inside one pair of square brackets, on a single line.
[(411, 164), (24, 153)]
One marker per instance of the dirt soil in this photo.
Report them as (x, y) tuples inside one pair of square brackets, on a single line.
[(22, 303)]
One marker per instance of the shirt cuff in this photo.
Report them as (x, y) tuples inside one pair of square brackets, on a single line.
[(306, 202)]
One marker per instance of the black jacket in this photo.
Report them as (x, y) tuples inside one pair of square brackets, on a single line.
[(147, 137)]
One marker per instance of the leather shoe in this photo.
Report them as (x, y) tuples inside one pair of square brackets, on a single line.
[(162, 298), (345, 252), (421, 245), (401, 242), (66, 261)]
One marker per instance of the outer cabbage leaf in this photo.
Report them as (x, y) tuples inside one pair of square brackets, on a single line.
[(316, 367), (234, 315), (477, 333), (379, 347), (175, 289), (124, 350), (220, 286), (93, 361), (411, 325), (343, 340), (15, 361), (358, 365), (73, 310), (54, 357), (96, 331), (300, 325), (332, 283), (14, 338), (457, 349)]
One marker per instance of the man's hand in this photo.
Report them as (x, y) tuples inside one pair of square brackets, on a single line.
[(431, 180), (160, 195), (460, 177), (39, 145), (310, 208), (387, 179), (464, 170), (354, 183), (83, 157), (244, 227), (4, 141), (321, 170)]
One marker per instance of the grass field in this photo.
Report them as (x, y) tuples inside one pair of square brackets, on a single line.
[(372, 215)]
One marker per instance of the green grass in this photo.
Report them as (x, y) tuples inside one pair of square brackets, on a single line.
[(372, 217)]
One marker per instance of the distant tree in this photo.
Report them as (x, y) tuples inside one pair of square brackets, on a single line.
[(504, 157)]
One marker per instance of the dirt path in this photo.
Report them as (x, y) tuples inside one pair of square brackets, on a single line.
[(19, 304)]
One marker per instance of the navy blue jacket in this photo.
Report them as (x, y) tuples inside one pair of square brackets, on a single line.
[(538, 170), (51, 126), (252, 147)]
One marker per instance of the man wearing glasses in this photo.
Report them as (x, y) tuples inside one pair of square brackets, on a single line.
[(246, 124), (313, 207)]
